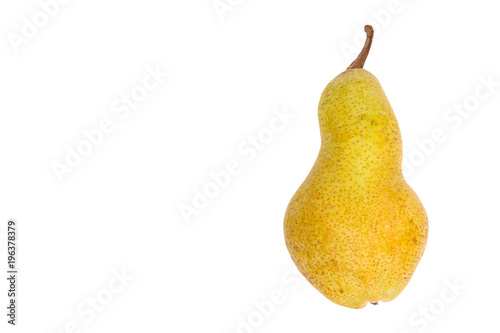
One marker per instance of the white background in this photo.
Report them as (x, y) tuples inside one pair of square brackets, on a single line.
[(118, 210)]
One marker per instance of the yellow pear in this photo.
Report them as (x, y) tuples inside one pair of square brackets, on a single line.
[(354, 228)]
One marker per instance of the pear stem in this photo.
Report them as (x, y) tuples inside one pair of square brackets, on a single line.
[(360, 60)]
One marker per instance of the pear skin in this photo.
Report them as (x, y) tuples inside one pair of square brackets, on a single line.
[(355, 229)]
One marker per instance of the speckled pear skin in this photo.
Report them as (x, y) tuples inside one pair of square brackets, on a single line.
[(354, 228)]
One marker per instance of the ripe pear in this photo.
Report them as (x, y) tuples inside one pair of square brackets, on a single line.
[(354, 228)]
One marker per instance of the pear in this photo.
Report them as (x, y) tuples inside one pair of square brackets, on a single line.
[(354, 228)]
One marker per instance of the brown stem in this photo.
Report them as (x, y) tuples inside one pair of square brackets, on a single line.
[(360, 60)]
